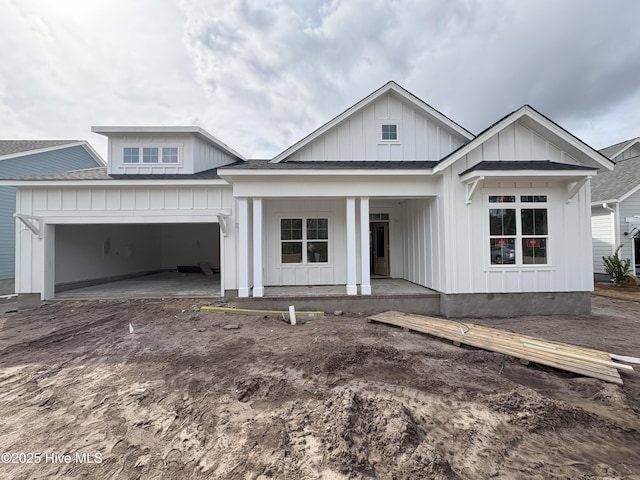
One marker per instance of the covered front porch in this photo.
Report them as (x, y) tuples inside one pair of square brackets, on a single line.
[(357, 241)]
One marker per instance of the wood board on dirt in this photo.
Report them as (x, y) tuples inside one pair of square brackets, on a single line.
[(584, 361)]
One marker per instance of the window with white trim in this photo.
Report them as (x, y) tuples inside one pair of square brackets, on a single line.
[(130, 155), (304, 240), (150, 155), (389, 132), (518, 229)]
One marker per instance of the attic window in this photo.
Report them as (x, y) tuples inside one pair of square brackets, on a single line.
[(130, 155), (389, 131)]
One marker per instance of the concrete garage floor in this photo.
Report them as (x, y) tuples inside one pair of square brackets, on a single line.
[(196, 285), (158, 285)]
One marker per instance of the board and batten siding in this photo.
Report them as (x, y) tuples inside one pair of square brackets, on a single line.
[(602, 228), (330, 273), (423, 254), (70, 158), (358, 137), (117, 206), (464, 228), (194, 155)]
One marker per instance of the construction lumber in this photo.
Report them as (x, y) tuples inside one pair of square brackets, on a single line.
[(584, 361), (247, 311)]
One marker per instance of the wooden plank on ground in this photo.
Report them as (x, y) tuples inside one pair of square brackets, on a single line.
[(584, 361), (206, 269)]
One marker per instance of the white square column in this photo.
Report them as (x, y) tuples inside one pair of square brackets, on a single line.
[(352, 287), (258, 286), (243, 247), (365, 271)]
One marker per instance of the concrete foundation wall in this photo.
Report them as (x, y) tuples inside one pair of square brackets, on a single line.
[(7, 286), (419, 304), (515, 304)]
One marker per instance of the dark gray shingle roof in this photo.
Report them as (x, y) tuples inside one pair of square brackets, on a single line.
[(323, 165), (9, 147), (525, 165), (615, 184), (613, 149), (100, 173)]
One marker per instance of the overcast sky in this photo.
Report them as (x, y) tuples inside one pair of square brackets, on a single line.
[(262, 74)]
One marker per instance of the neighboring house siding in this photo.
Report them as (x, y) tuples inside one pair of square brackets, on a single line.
[(72, 158), (359, 136), (602, 227), (7, 232), (629, 207)]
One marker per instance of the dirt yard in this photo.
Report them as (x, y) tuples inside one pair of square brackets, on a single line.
[(187, 395)]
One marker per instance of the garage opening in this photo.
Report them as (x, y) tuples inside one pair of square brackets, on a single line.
[(137, 260)]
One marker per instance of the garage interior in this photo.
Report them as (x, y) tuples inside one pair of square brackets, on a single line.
[(137, 260)]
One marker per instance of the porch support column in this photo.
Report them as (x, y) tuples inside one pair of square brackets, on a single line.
[(258, 286), (365, 285), (243, 247), (352, 287)]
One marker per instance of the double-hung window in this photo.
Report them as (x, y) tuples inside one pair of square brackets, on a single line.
[(130, 155), (518, 229), (304, 240)]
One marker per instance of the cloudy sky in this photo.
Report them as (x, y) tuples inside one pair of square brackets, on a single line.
[(261, 74)]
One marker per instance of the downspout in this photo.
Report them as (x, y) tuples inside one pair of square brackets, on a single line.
[(616, 224)]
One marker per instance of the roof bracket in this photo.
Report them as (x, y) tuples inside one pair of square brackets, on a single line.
[(576, 188), (471, 188), (27, 220), (222, 220)]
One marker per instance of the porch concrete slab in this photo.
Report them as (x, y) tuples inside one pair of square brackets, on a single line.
[(157, 285)]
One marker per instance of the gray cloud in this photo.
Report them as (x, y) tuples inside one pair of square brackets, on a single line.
[(263, 74)]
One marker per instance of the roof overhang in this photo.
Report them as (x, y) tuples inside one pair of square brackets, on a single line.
[(540, 124), (626, 146), (559, 175), (229, 173), (158, 130), (112, 183)]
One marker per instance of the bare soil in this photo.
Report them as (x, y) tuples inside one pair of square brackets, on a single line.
[(336, 397)]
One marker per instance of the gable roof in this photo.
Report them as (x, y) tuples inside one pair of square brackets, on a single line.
[(617, 185), (538, 122), (390, 87), (615, 150), (20, 148)]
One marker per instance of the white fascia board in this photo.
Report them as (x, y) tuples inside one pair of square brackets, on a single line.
[(197, 131), (229, 172), (129, 216), (524, 111), (601, 202), (48, 149), (388, 87), (557, 174), (113, 183)]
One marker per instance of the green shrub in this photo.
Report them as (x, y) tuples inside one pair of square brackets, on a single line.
[(615, 267)]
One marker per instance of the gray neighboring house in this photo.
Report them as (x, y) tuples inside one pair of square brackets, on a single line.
[(19, 158), (615, 206)]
